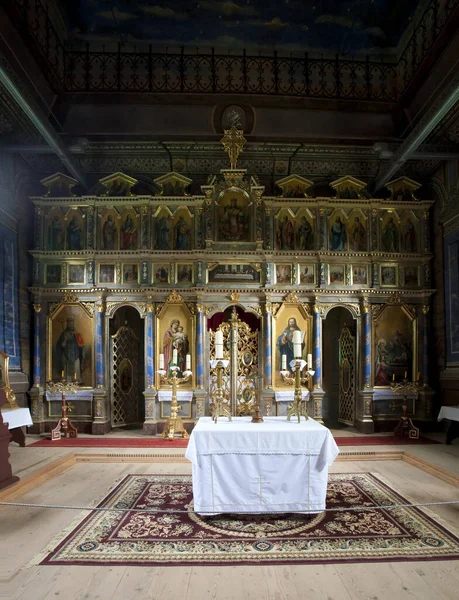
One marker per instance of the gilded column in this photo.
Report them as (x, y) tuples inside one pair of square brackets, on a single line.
[(200, 393), (100, 357), (150, 424), (268, 347), (367, 345), (36, 346)]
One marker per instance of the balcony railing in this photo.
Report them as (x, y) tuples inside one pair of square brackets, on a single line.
[(211, 73)]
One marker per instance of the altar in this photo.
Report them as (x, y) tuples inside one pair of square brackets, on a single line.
[(274, 466)]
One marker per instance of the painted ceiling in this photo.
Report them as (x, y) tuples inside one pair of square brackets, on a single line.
[(349, 27)]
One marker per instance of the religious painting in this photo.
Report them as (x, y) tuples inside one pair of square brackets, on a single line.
[(402, 189), (231, 273), (56, 230), (110, 230), (390, 233), (75, 273), (294, 186), (233, 217), (161, 273), (389, 275), (53, 273), (359, 275), (162, 226), (409, 237), (182, 231), (338, 233), (70, 344), (129, 231), (290, 317), (173, 184), (285, 231), (304, 234), (451, 253), (336, 274), (176, 336), (9, 286), (284, 274), (185, 273), (74, 231), (307, 274), (411, 276), (107, 273), (357, 234), (130, 273), (394, 348)]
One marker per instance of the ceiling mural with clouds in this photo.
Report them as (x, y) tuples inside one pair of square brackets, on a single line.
[(344, 26)]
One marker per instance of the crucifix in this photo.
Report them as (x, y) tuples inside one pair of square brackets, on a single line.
[(233, 141)]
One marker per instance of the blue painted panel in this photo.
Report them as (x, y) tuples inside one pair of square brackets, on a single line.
[(9, 306)]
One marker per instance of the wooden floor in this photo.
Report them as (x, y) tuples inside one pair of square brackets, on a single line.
[(25, 532)]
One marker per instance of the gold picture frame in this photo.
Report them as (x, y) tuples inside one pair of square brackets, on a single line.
[(336, 275), (70, 344), (76, 274), (130, 273), (360, 275), (388, 275)]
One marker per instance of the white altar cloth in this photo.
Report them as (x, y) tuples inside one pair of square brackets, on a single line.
[(288, 396), (166, 396), (18, 417), (449, 412), (275, 466)]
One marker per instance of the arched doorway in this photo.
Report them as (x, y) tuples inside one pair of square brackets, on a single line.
[(127, 368), (241, 377), (339, 367)]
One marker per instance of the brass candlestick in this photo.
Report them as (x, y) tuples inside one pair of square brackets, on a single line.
[(220, 407), (64, 424), (174, 423), (299, 407), (257, 417), (404, 388)]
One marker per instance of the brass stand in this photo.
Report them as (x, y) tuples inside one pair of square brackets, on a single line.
[(64, 424), (220, 407), (257, 416), (174, 424), (405, 423), (299, 407)]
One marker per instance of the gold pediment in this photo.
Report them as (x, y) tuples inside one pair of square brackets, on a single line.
[(173, 184), (402, 189), (294, 186), (118, 184), (59, 185), (349, 188)]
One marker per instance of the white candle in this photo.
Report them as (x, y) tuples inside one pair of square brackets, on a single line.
[(284, 362), (219, 344), (174, 357), (161, 362), (297, 344), (188, 362), (309, 361)]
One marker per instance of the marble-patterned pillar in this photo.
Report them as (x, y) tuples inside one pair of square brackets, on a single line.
[(200, 392), (151, 423), (425, 344), (424, 403), (268, 347), (36, 347), (367, 343), (317, 393), (37, 390), (364, 413), (100, 424)]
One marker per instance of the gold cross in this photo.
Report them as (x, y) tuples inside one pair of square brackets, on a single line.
[(233, 141)]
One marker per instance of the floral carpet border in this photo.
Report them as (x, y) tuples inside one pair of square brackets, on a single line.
[(176, 535)]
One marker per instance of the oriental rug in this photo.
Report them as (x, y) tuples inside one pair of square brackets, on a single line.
[(152, 442), (154, 524)]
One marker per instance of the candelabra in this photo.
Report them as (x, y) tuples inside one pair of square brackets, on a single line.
[(174, 423), (299, 408), (404, 388), (219, 406), (64, 424)]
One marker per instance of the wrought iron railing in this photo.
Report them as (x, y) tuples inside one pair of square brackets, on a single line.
[(305, 76)]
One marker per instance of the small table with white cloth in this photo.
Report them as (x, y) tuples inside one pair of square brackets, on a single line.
[(17, 418), (451, 413), (274, 466)]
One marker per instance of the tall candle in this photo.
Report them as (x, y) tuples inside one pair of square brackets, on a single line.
[(74, 376), (284, 362), (309, 361), (161, 362), (174, 357), (405, 375), (219, 344), (188, 362), (62, 374), (419, 375), (297, 344), (393, 376)]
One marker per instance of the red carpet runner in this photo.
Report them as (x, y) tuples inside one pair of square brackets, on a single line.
[(152, 442)]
